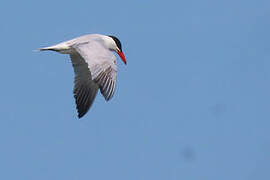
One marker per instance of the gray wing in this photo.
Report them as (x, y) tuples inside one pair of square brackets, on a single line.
[(94, 68), (85, 89), (102, 65)]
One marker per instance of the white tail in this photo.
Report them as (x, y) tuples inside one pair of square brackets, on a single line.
[(62, 48), (51, 48)]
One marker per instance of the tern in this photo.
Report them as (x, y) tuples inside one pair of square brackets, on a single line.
[(94, 65)]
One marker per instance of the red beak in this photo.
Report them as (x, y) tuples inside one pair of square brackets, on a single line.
[(122, 56)]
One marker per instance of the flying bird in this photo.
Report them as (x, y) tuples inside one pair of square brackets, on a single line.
[(94, 65)]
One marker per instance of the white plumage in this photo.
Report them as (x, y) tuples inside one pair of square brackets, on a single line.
[(94, 66)]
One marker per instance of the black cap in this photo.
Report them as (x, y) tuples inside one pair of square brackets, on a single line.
[(117, 42)]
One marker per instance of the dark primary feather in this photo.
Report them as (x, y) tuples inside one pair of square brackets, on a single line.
[(84, 97), (85, 89)]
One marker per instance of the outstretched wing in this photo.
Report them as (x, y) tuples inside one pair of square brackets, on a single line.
[(102, 65), (85, 89), (94, 68)]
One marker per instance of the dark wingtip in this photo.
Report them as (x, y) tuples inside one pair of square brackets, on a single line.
[(81, 114)]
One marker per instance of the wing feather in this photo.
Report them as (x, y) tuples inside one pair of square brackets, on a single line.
[(101, 63), (85, 89)]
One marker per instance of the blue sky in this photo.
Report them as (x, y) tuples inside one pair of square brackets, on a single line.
[(192, 103)]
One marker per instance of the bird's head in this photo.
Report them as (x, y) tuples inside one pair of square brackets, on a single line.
[(114, 44)]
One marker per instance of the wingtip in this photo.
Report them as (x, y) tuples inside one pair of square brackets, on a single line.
[(80, 116)]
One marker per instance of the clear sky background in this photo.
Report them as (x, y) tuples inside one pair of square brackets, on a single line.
[(192, 103)]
